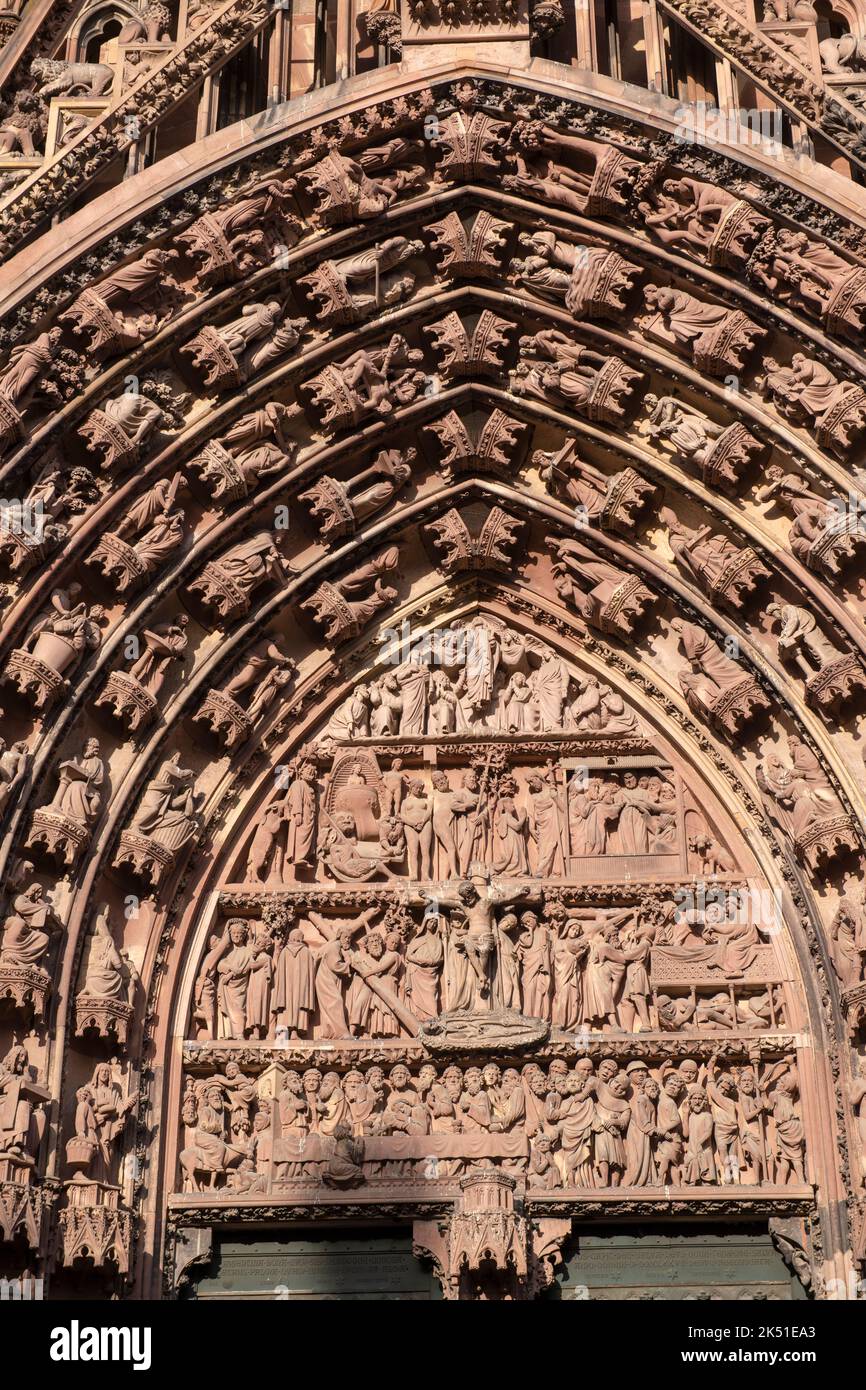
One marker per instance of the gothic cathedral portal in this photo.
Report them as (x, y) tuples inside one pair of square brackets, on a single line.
[(433, 661)]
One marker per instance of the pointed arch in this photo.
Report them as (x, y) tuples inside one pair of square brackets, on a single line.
[(343, 305)]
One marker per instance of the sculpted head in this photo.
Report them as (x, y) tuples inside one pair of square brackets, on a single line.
[(637, 1073), (237, 931), (452, 1078), (345, 823), (375, 945), (473, 1081), (689, 1071), (330, 1084)]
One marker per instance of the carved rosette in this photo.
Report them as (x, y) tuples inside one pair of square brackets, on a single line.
[(25, 988), (93, 1226), (56, 836), (34, 679), (143, 857), (108, 1019), (225, 718), (127, 701)]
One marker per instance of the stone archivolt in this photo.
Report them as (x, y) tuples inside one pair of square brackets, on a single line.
[(449, 618)]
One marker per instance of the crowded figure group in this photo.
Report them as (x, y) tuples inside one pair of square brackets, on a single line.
[(591, 1125)]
